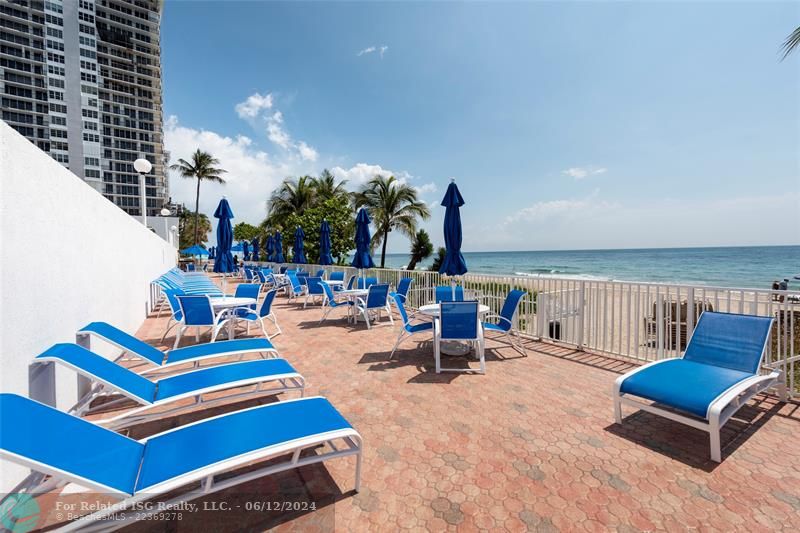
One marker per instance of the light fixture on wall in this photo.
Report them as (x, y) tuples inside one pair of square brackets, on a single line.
[(143, 166), (165, 213)]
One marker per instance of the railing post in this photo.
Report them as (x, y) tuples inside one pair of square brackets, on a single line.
[(581, 303), (660, 325)]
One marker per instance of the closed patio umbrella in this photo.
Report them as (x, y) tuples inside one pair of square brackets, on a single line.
[(298, 254), (255, 249), (453, 263), (279, 247), (325, 257), (245, 251), (269, 249), (224, 261), (362, 259)]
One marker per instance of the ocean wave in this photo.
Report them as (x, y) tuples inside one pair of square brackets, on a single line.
[(558, 274)]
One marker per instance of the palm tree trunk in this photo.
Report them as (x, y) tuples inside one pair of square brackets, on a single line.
[(197, 212), (383, 248)]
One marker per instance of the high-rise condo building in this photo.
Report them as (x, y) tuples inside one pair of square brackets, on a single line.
[(82, 80)]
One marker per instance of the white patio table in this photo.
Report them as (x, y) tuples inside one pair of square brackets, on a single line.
[(229, 302), (353, 295)]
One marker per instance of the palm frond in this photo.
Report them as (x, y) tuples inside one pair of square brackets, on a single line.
[(791, 42)]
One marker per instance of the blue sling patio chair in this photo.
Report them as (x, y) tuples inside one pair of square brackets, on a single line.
[(329, 303), (172, 467), (109, 377), (320, 273), (458, 321), (444, 293), (402, 288), (296, 287), (505, 320), (198, 313), (314, 290), (409, 329), (155, 359), (263, 313), (337, 275), (718, 373), (376, 300)]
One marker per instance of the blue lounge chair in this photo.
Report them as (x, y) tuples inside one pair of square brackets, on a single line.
[(149, 394), (505, 320), (263, 313), (718, 374), (409, 329), (166, 360), (296, 287), (444, 293), (458, 321), (330, 303), (377, 300), (212, 452)]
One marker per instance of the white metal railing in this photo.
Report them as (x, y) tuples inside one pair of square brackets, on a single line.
[(638, 321)]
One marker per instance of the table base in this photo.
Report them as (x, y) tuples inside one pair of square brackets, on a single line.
[(455, 348)]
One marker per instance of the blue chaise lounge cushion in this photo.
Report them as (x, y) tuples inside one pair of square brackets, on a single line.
[(682, 384)]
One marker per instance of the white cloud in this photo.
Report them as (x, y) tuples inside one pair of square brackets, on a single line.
[(275, 131), (251, 177), (360, 173), (254, 105), (580, 173), (426, 188), (307, 152), (568, 208), (372, 49)]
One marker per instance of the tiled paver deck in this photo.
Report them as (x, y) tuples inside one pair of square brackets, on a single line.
[(531, 445)]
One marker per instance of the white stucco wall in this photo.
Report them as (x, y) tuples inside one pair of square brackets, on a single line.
[(67, 256)]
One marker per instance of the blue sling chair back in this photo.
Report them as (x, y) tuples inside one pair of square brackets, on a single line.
[(198, 313), (314, 290), (336, 276), (444, 293), (296, 288), (718, 373), (458, 321), (409, 328), (504, 322), (402, 288), (217, 453)]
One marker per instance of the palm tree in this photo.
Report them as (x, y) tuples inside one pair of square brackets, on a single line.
[(293, 196), (325, 187), (188, 229), (439, 259), (202, 167), (421, 249), (791, 42), (392, 205)]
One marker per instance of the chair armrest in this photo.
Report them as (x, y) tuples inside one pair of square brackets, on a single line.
[(504, 319)]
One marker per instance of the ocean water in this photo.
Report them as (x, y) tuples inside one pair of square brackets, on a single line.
[(748, 267)]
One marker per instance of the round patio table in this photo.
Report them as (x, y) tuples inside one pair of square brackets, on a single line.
[(353, 295), (229, 302), (453, 347)]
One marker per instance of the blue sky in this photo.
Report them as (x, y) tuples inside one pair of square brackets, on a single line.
[(566, 125)]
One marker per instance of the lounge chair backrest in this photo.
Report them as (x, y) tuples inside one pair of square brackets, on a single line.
[(124, 340), (509, 308), (79, 450), (266, 305), (101, 369), (336, 276), (315, 285), (401, 308), (402, 287), (729, 341), (261, 277), (320, 273), (377, 296), (247, 290), (459, 320), (196, 310), (444, 293)]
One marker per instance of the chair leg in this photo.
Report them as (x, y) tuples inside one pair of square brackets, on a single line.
[(170, 325), (264, 329), (274, 319), (713, 429), (396, 344), (178, 337), (482, 354), (389, 314)]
